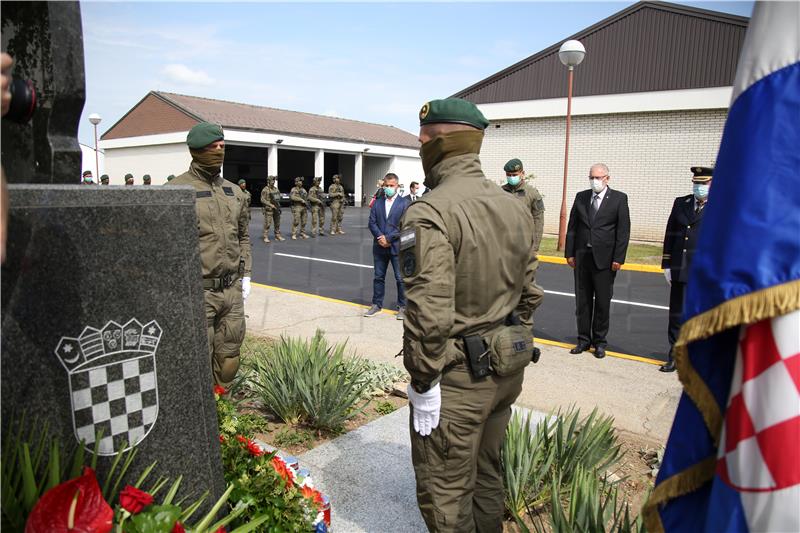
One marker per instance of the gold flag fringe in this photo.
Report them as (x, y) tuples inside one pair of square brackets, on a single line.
[(747, 309)]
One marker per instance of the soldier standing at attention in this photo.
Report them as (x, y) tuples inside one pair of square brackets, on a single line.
[(271, 202), (146, 179), (317, 209), (336, 192), (224, 248), (248, 197), (299, 198), (104, 179), (128, 179), (516, 184), (680, 241), (466, 252)]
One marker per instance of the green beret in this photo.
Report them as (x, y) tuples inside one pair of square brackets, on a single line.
[(104, 177), (701, 174), (453, 111), (171, 177), (146, 177), (514, 165), (242, 182), (128, 177), (204, 134)]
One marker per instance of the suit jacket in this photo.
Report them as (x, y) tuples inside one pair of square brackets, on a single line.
[(389, 227), (680, 239), (608, 233)]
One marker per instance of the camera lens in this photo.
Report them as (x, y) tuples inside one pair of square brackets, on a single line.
[(23, 101)]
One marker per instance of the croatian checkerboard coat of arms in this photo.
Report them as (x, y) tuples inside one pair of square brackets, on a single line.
[(112, 384)]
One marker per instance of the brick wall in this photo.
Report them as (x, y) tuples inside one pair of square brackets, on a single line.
[(648, 156)]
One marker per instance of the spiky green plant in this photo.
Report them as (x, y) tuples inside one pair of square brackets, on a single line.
[(526, 462)]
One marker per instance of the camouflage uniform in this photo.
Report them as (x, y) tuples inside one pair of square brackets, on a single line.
[(299, 198), (248, 197), (336, 192), (271, 202), (317, 209)]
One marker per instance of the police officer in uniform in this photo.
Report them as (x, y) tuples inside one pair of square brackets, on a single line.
[(128, 179), (299, 198), (317, 208), (336, 193), (248, 197), (467, 259), (680, 241), (224, 248), (271, 202), (516, 184), (147, 180)]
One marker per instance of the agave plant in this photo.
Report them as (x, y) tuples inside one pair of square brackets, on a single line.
[(526, 462), (310, 381)]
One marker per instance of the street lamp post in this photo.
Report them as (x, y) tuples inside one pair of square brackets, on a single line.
[(570, 54), (95, 119)]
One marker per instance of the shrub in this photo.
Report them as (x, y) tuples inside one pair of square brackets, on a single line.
[(310, 382)]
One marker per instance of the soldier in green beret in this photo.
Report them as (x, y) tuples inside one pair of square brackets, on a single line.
[(248, 197), (146, 179), (518, 186), (104, 179), (128, 179), (224, 247), (317, 208), (467, 258), (271, 202), (336, 193), (170, 177), (299, 198)]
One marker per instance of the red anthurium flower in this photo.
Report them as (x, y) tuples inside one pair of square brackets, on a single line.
[(219, 391), (241, 439), (283, 470), (134, 500), (221, 530), (178, 528), (221, 439), (75, 506)]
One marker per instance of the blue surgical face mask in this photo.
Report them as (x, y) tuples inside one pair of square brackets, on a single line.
[(513, 180), (389, 191), (700, 191)]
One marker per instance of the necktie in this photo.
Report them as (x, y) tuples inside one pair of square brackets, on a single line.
[(595, 207), (699, 207)]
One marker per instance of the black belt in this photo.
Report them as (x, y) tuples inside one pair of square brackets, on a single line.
[(220, 283)]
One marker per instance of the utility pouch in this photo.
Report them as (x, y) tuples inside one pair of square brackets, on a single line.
[(512, 350), (477, 356), (241, 268)]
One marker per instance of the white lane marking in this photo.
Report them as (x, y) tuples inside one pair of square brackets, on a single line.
[(324, 260), (638, 304)]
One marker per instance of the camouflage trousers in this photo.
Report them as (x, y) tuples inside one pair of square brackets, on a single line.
[(317, 219), (536, 290), (337, 212), (272, 216), (457, 466), (226, 328), (299, 215)]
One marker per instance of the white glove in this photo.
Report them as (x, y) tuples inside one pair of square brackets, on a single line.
[(425, 407), (668, 275), (245, 288)]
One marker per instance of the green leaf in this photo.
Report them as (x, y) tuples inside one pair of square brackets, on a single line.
[(154, 519)]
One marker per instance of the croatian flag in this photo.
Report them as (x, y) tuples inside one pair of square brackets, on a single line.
[(733, 456)]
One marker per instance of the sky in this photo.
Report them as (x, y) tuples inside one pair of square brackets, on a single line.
[(375, 62)]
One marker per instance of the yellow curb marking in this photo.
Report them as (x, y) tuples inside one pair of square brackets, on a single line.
[(627, 266), (629, 357)]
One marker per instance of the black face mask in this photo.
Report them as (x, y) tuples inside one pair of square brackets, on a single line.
[(445, 146)]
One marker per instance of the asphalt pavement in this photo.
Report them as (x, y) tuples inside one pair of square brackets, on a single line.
[(340, 267)]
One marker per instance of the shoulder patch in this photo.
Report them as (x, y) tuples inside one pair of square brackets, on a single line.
[(540, 204), (408, 238), (203, 194), (228, 191), (408, 251)]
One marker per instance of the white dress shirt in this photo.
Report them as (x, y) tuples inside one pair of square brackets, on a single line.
[(388, 203)]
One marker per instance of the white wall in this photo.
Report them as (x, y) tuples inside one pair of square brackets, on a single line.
[(88, 162), (157, 160), (408, 169), (648, 155)]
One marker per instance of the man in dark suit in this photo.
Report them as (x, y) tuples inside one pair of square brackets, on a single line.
[(680, 241), (597, 240), (384, 224)]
